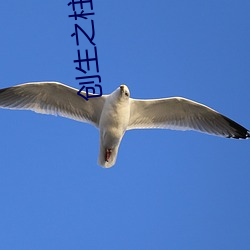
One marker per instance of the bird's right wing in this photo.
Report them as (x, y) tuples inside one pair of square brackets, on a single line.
[(182, 114), (52, 98)]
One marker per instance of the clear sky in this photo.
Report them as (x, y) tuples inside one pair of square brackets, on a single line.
[(169, 189)]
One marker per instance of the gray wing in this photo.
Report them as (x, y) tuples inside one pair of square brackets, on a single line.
[(52, 98), (182, 114)]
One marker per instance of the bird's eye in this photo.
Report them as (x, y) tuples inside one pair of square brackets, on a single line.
[(126, 93)]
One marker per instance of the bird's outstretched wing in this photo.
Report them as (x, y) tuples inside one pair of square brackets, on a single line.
[(52, 98), (182, 114)]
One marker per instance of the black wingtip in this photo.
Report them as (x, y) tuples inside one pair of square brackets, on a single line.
[(248, 134), (239, 131)]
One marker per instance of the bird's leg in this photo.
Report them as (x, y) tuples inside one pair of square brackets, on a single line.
[(108, 154)]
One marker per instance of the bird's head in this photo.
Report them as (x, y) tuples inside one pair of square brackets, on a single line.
[(121, 94), (124, 91)]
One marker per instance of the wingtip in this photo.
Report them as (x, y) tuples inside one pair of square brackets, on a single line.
[(248, 134), (239, 131)]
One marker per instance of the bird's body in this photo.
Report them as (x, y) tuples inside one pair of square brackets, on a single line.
[(116, 113), (113, 124)]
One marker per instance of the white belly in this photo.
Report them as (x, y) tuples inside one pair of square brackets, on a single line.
[(113, 123)]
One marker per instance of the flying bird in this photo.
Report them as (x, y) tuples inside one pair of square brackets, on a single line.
[(116, 113)]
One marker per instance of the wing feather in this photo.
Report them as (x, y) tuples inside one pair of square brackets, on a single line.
[(52, 98), (182, 114)]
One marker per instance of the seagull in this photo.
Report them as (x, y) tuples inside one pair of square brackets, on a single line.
[(116, 113)]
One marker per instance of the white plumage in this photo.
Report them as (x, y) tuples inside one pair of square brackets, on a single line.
[(115, 113)]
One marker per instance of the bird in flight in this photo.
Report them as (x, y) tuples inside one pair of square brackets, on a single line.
[(116, 113)]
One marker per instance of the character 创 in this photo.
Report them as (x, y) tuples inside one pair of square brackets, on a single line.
[(88, 86)]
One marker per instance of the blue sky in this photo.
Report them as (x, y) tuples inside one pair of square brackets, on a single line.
[(169, 189)]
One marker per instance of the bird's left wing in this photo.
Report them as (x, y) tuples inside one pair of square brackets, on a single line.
[(52, 98), (182, 114)]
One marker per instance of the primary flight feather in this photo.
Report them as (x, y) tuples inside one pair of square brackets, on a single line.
[(116, 113)]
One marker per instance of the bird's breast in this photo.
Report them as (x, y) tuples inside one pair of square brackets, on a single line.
[(114, 119)]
